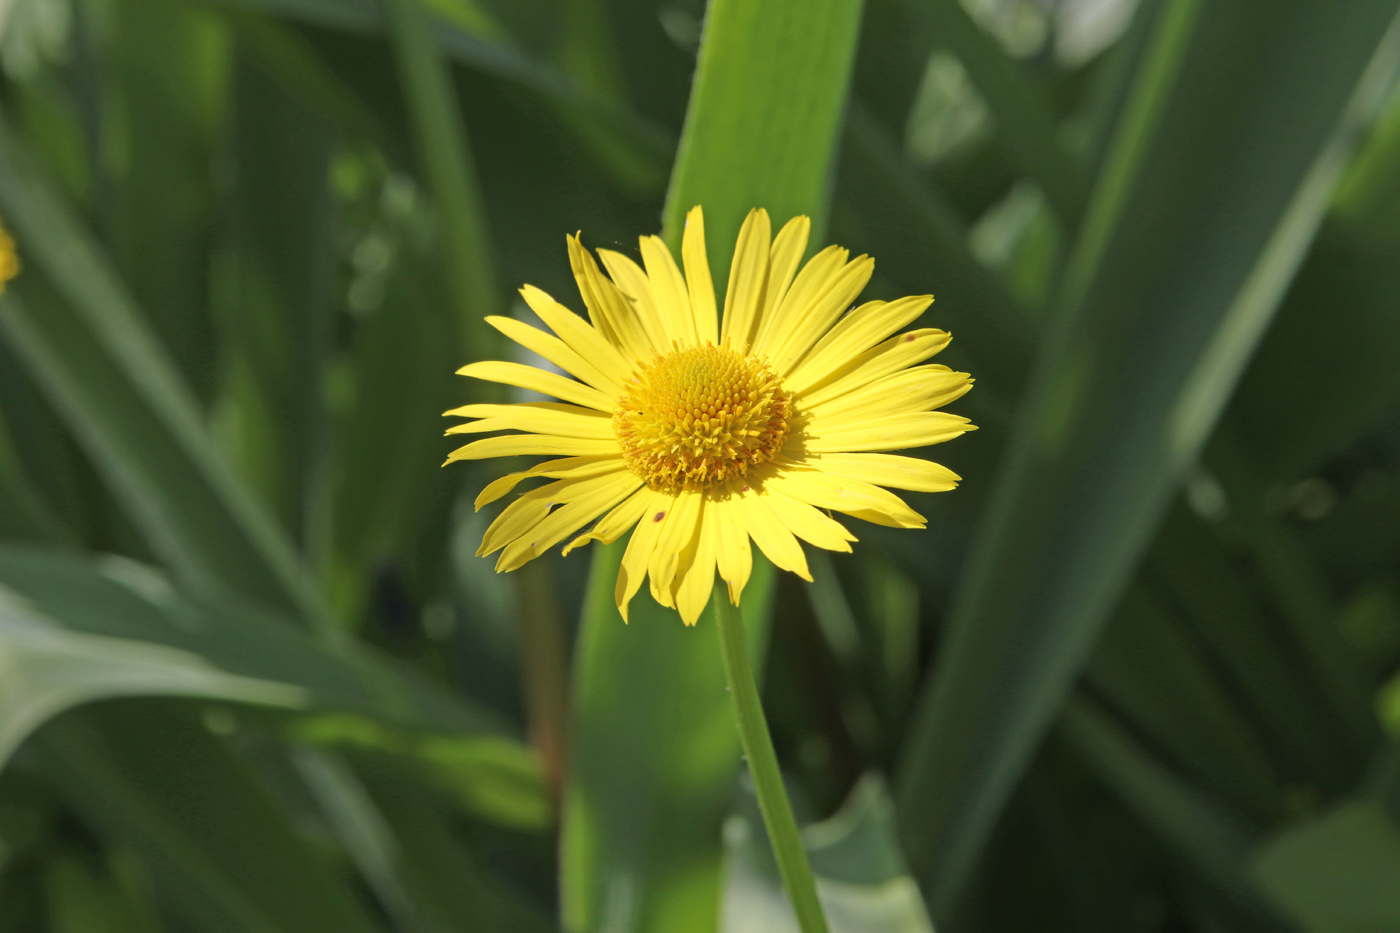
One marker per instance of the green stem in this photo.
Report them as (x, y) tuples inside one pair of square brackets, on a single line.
[(763, 765)]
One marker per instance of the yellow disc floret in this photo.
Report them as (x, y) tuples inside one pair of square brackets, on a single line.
[(700, 416)]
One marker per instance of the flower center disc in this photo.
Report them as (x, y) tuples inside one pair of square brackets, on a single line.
[(700, 416)]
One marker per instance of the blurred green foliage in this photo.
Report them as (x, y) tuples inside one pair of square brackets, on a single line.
[(1139, 674)]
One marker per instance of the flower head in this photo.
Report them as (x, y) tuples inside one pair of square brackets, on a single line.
[(9, 262), (704, 434)]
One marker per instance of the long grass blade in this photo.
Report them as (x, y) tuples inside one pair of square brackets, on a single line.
[(1140, 359)]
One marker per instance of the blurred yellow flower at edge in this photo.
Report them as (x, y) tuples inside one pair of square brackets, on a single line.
[(705, 433), (9, 262)]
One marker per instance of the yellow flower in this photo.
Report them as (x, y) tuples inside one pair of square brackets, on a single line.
[(704, 433), (9, 262)]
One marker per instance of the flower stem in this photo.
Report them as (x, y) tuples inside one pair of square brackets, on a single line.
[(763, 765)]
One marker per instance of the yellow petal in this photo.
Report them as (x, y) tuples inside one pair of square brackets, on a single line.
[(700, 287), (918, 389), (525, 512), (615, 524), (807, 323), (808, 523), (576, 332), (857, 332), (771, 534), (536, 417), (568, 468), (528, 445), (557, 352), (638, 337), (892, 432), (668, 290), (676, 532), (814, 279), (887, 470), (748, 274), (733, 555), (588, 502), (788, 247), (696, 576), (899, 352), (636, 288), (842, 494), (639, 547), (539, 380)]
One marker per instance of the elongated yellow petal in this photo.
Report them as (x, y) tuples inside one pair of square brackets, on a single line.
[(557, 352), (567, 468), (748, 275), (899, 352), (616, 523), (539, 380), (918, 389), (808, 523), (788, 248), (700, 287), (696, 575), (529, 445), (655, 507), (634, 285), (857, 332), (805, 325), (733, 555), (638, 337), (536, 417), (771, 534), (577, 333), (675, 535), (892, 432), (520, 516), (842, 494), (814, 279), (669, 290), (587, 505), (887, 470)]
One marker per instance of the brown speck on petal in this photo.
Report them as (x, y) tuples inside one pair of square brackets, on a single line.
[(658, 516)]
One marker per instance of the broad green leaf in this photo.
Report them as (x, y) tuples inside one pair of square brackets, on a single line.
[(79, 632), (861, 879), (1338, 873), (221, 851), (1207, 202), (764, 117), (487, 775), (653, 762), (654, 753), (104, 370), (48, 669)]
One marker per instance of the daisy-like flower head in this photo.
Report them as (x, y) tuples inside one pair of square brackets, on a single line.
[(9, 262), (706, 433)]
